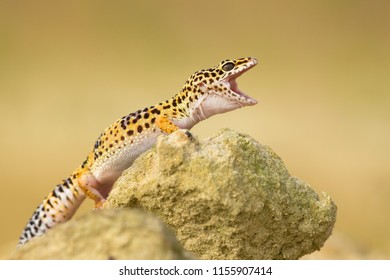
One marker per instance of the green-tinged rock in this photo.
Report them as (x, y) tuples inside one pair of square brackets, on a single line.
[(106, 234), (226, 197)]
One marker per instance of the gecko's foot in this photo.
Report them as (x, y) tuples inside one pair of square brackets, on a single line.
[(99, 204), (188, 134)]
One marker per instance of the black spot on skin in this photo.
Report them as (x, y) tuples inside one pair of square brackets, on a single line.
[(123, 125), (122, 138), (156, 111), (54, 194), (190, 98), (135, 120), (174, 104), (139, 128), (167, 106), (179, 100), (130, 132), (147, 125), (213, 74), (49, 202), (206, 75), (111, 145), (65, 184), (146, 115), (153, 120), (100, 153), (145, 109)]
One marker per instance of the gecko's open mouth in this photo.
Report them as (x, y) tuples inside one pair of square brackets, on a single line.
[(231, 79)]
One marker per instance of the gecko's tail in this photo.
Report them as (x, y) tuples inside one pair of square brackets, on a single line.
[(58, 207)]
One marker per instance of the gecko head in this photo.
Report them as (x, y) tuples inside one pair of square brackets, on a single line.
[(216, 89)]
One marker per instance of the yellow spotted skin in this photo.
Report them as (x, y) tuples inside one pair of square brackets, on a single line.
[(206, 93)]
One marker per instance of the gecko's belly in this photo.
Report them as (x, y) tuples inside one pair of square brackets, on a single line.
[(110, 166)]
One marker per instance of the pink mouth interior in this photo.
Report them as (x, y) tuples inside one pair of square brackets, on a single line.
[(234, 85)]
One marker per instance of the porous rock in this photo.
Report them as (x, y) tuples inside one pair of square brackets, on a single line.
[(104, 235), (226, 197)]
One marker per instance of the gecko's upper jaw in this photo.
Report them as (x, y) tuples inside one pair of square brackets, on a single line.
[(244, 99)]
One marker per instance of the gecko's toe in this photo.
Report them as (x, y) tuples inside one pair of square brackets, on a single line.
[(99, 204), (188, 134)]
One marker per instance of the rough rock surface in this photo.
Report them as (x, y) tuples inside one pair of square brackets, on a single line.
[(108, 234), (226, 197)]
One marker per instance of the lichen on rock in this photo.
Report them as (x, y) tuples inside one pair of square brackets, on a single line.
[(108, 234), (226, 197)]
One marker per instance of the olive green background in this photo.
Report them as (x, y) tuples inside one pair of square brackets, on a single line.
[(70, 68)]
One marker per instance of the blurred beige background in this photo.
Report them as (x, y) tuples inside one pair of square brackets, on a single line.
[(70, 68)]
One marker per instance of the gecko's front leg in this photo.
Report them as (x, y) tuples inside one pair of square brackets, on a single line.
[(88, 183), (166, 125)]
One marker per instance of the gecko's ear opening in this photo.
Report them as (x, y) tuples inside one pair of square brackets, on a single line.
[(201, 86)]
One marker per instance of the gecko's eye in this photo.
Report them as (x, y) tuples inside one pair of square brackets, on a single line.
[(228, 66)]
